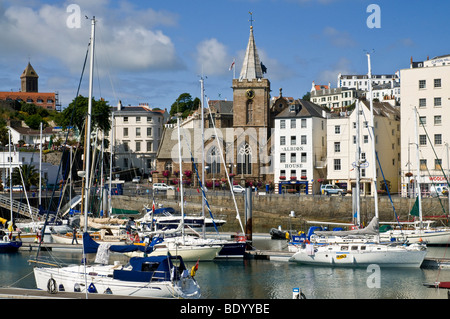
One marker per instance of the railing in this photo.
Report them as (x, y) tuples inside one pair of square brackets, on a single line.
[(18, 207)]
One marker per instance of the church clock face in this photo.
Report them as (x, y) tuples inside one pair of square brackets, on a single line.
[(250, 94)]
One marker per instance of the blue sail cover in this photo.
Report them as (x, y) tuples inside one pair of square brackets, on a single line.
[(91, 246)]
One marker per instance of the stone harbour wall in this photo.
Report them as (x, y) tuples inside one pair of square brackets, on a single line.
[(274, 210)]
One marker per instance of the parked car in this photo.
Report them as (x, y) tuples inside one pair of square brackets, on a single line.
[(330, 189), (238, 189), (137, 179), (162, 187)]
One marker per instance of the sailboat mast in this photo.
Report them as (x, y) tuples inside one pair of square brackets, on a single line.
[(88, 127), (111, 145), (203, 152), (181, 178), (358, 168), (419, 196), (372, 128), (40, 167), (10, 176)]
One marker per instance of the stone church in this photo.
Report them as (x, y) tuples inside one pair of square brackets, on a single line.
[(236, 137)]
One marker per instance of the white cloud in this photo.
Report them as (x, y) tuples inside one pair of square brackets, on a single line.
[(338, 38), (343, 65), (122, 34), (212, 57)]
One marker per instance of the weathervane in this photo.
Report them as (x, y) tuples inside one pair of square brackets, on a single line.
[(251, 19)]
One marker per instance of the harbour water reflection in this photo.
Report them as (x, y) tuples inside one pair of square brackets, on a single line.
[(264, 279)]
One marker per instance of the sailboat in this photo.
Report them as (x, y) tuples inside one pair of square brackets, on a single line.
[(9, 241), (184, 246), (367, 249), (421, 231), (154, 276)]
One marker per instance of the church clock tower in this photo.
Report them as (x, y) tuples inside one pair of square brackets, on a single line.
[(29, 79), (251, 113)]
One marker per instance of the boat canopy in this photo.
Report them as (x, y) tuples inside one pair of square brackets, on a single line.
[(371, 229), (151, 268), (91, 246)]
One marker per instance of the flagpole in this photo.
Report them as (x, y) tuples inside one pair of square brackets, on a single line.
[(234, 69)]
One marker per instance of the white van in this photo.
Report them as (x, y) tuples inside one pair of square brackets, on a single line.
[(438, 190)]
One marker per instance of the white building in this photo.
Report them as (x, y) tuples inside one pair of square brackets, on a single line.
[(137, 133), (426, 87), (29, 136), (385, 87), (342, 143), (299, 153), (17, 159), (335, 99), (360, 81)]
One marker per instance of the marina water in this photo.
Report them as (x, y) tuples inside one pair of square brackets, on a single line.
[(270, 279)]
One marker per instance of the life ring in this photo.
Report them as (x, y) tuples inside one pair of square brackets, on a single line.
[(5, 238), (51, 286)]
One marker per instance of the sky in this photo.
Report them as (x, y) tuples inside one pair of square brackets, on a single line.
[(150, 51)]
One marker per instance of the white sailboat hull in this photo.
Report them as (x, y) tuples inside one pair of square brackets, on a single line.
[(67, 239), (101, 277), (360, 255), (429, 237), (187, 252)]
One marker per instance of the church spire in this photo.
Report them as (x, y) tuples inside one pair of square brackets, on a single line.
[(251, 68)]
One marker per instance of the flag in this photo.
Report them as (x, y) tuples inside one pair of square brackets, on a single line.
[(231, 66), (415, 209), (153, 206), (194, 269)]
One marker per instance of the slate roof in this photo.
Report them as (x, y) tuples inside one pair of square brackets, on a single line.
[(304, 109)]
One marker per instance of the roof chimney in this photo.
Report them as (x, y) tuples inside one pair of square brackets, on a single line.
[(119, 106)]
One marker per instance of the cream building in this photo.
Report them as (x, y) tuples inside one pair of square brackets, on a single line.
[(425, 87), (137, 134), (341, 149)]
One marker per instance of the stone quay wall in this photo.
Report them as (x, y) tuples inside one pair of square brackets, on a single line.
[(272, 211)]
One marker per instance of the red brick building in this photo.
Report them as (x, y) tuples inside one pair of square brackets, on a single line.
[(29, 91)]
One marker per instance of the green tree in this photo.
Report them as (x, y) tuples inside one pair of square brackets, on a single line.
[(75, 114), (4, 136), (34, 121), (30, 176), (185, 105)]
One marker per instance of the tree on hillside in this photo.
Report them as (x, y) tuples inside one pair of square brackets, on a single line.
[(75, 114), (185, 105)]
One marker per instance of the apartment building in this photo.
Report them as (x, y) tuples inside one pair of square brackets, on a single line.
[(385, 87), (425, 88), (335, 99), (137, 133), (342, 147)]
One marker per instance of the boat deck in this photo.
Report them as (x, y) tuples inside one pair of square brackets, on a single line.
[(21, 293)]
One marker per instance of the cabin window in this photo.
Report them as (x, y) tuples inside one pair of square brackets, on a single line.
[(354, 247), (149, 266), (344, 247)]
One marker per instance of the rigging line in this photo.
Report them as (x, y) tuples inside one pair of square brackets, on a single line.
[(67, 135), (201, 185), (387, 189), (434, 184), (432, 147), (238, 217), (108, 68), (435, 154)]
